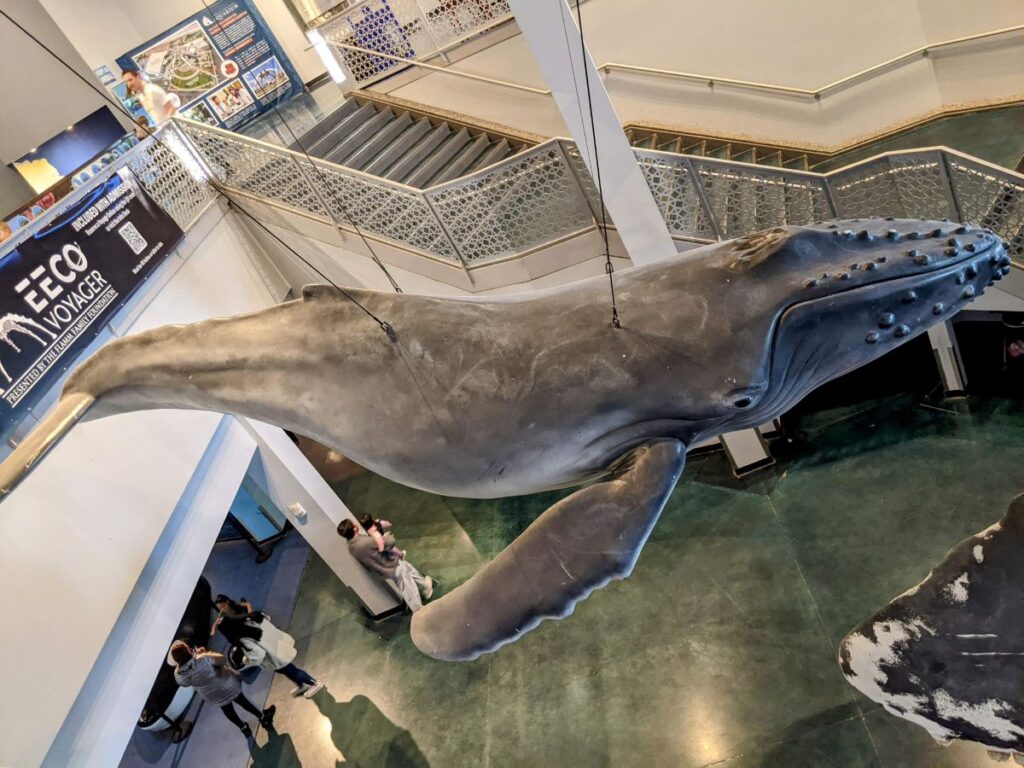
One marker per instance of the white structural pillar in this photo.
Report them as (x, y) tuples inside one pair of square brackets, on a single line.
[(947, 355), (554, 38), (553, 35)]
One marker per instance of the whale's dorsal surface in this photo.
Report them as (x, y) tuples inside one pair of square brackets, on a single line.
[(496, 396)]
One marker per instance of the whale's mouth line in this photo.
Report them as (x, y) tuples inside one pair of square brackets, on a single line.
[(891, 286)]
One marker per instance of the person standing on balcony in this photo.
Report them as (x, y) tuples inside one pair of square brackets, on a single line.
[(155, 100)]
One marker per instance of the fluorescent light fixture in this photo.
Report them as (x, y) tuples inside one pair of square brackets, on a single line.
[(320, 46)]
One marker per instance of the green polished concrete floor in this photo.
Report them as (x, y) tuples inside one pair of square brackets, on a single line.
[(720, 650)]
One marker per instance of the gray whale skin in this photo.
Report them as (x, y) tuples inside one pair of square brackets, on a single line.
[(499, 396)]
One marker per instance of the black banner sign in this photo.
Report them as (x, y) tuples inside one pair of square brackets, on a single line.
[(58, 287)]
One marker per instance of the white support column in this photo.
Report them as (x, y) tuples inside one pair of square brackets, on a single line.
[(947, 356), (290, 480), (554, 38)]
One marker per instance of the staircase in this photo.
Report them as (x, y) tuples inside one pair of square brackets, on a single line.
[(403, 145), (776, 156)]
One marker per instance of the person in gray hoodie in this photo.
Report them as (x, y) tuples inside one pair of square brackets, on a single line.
[(217, 683)]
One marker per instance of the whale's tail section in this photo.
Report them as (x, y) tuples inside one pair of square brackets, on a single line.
[(30, 451)]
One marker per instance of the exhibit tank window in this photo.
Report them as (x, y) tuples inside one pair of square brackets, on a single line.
[(324, 51)]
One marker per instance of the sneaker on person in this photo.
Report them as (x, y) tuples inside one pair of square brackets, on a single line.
[(298, 690), (267, 718), (246, 731), (313, 690)]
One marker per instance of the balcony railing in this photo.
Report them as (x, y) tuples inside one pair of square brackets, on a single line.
[(545, 194)]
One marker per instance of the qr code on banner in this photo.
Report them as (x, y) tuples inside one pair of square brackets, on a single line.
[(131, 236)]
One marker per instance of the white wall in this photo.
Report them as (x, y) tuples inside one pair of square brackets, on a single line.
[(102, 30), (800, 43), (41, 97), (104, 541)]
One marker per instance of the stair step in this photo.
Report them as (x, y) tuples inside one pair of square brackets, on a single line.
[(327, 142), (367, 153), (459, 164), (722, 152), (748, 155), (426, 170), (797, 163), (402, 144), (351, 143), (408, 162), (499, 150), (672, 145), (317, 132), (698, 148)]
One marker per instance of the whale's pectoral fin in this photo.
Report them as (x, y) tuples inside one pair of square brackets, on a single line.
[(578, 545)]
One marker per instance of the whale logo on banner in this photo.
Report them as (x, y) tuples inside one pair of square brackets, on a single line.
[(59, 285)]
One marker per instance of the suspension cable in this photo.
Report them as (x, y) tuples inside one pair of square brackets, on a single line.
[(217, 187), (608, 267)]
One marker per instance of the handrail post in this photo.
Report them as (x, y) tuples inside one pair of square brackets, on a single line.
[(430, 31), (579, 185), (826, 183), (316, 191), (953, 196), (448, 234), (702, 196)]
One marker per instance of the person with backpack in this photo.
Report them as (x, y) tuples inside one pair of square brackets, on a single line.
[(217, 683), (262, 643)]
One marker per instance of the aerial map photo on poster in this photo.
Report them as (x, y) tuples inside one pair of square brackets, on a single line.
[(223, 63), (184, 63)]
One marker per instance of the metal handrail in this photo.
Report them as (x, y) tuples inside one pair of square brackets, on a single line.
[(815, 93), (711, 80), (444, 70)]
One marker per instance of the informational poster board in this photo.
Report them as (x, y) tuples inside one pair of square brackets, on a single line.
[(224, 64), (59, 286)]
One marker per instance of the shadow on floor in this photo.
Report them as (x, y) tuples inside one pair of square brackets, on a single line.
[(278, 752), (365, 736)]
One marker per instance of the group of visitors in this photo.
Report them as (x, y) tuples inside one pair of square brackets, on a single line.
[(254, 642)]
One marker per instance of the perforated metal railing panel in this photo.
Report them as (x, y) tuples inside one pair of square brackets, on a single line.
[(384, 209), (515, 206), (674, 186), (545, 194), (991, 198), (909, 186), (168, 180), (407, 29)]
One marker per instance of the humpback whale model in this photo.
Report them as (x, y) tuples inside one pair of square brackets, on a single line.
[(499, 396), (949, 654)]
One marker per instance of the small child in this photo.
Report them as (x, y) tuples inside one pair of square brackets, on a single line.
[(377, 529)]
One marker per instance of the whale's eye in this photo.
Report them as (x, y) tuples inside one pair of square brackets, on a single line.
[(743, 402)]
